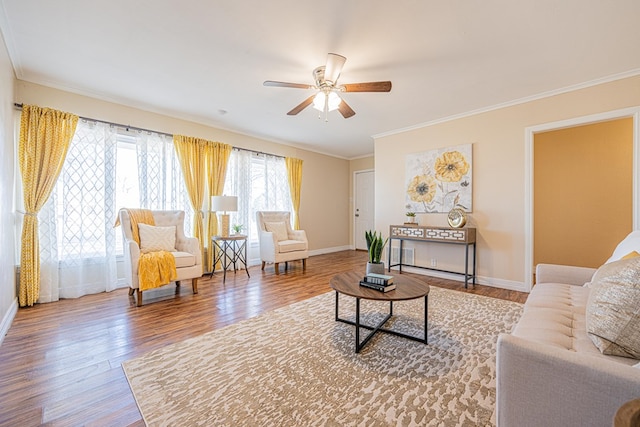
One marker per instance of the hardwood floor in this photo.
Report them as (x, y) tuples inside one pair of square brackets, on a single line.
[(61, 362)]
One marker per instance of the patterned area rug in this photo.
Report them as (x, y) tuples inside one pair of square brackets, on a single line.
[(296, 366)]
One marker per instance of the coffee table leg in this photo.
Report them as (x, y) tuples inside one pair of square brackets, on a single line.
[(426, 314), (358, 325), (337, 298)]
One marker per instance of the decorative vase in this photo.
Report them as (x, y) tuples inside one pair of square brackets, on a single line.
[(375, 267)]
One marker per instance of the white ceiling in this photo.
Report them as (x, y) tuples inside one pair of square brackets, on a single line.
[(199, 59)]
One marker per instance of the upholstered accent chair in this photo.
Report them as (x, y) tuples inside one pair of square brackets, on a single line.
[(279, 242), (187, 254)]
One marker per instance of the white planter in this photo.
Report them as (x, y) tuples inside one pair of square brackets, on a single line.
[(376, 268)]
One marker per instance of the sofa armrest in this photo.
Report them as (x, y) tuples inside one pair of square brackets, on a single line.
[(569, 274), (190, 245), (131, 258), (298, 235), (541, 385), (268, 244)]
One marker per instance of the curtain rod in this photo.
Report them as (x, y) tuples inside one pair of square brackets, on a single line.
[(128, 127)]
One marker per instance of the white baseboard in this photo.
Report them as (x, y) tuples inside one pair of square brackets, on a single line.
[(256, 261), (7, 320), (330, 250), (480, 280)]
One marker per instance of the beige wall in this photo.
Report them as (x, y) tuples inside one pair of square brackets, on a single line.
[(498, 139), (583, 192), (8, 303), (325, 192), (355, 165)]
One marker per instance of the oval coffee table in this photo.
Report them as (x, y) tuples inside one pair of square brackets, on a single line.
[(407, 288)]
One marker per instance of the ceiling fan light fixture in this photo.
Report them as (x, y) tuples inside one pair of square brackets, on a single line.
[(328, 100), (334, 101), (318, 101), (327, 97)]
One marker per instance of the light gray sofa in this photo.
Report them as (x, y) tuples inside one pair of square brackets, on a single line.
[(549, 373)]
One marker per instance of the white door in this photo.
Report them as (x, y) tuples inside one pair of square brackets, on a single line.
[(363, 207)]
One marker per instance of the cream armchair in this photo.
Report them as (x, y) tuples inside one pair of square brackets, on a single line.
[(187, 254), (279, 242)]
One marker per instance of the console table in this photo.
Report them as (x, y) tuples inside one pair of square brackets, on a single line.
[(457, 236)]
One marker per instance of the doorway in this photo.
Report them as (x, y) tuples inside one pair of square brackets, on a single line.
[(582, 191), (363, 206), (634, 114)]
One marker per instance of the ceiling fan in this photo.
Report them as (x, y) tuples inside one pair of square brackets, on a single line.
[(327, 97)]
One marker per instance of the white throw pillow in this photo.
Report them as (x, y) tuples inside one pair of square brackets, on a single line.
[(613, 308), (157, 238), (629, 244), (279, 229)]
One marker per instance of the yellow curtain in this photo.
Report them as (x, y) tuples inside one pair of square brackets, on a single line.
[(217, 158), (191, 152), (45, 136), (294, 173)]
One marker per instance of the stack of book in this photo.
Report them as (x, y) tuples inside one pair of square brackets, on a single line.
[(379, 282)]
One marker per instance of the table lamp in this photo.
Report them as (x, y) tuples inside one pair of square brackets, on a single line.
[(222, 205)]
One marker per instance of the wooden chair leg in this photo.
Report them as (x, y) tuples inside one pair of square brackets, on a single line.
[(277, 269), (194, 285), (304, 264), (263, 263), (139, 295), (131, 291)]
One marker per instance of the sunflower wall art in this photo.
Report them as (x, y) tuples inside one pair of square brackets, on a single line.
[(438, 180)]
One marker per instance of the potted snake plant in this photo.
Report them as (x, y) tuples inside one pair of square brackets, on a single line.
[(375, 245)]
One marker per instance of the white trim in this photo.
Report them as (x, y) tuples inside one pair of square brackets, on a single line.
[(547, 94), (529, 133), (480, 280), (257, 261), (330, 250), (7, 320)]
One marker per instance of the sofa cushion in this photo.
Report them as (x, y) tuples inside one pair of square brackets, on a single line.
[(184, 259), (279, 229), (613, 309), (157, 238), (554, 315), (291, 246)]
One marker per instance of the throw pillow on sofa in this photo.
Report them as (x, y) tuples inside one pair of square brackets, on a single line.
[(613, 308), (628, 245)]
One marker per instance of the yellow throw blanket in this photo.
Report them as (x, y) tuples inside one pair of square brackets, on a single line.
[(154, 268)]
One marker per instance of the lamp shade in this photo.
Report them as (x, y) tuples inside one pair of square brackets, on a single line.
[(224, 203)]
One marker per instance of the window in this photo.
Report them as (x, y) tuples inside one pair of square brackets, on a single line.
[(260, 182), (106, 170)]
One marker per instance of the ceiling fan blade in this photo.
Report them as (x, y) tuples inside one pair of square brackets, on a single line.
[(304, 104), (345, 110), (368, 87), (334, 66), (271, 83)]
